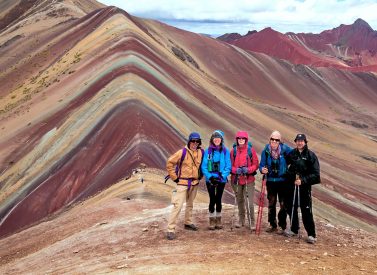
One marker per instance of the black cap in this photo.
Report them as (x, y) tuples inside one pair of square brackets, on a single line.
[(300, 137)]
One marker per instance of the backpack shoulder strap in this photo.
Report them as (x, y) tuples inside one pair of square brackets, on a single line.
[(201, 162), (184, 151), (234, 151), (249, 152)]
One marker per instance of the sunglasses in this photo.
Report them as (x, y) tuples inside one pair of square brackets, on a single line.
[(195, 140), (241, 138), (275, 139)]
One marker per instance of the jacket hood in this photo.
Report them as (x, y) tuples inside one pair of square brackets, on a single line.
[(242, 134), (217, 134)]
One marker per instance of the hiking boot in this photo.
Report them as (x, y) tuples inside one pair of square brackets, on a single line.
[(192, 227), (212, 223), (280, 231), (252, 227), (311, 240), (289, 233), (271, 229), (218, 223), (170, 236), (241, 222)]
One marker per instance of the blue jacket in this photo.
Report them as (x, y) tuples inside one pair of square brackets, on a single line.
[(266, 160), (225, 165)]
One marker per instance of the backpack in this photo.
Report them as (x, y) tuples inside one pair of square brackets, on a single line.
[(249, 153), (179, 165)]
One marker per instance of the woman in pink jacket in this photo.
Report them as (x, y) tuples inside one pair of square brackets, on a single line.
[(244, 165)]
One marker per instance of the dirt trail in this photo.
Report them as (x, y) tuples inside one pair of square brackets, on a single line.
[(122, 231)]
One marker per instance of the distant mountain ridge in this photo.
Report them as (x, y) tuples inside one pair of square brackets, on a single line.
[(350, 47)]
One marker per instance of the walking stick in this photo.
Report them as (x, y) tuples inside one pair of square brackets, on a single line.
[(298, 206), (235, 203), (260, 205), (293, 204), (248, 204), (296, 192)]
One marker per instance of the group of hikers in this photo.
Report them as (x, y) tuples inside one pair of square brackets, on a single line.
[(289, 173)]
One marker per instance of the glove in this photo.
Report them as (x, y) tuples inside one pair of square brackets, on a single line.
[(245, 170), (239, 171), (176, 180), (214, 180)]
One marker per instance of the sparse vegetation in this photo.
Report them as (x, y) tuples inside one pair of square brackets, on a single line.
[(372, 159), (183, 55), (26, 90), (355, 124), (77, 57)]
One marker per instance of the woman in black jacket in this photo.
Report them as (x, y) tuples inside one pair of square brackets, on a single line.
[(303, 172)]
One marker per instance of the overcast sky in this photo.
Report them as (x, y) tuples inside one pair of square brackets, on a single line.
[(217, 17)]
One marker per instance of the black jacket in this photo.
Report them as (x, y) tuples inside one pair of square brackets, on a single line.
[(305, 165)]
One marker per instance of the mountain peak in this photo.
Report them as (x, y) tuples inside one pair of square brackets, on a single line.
[(360, 23), (251, 32), (228, 37)]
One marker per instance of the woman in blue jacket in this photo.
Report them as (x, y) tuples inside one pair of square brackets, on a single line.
[(274, 165), (216, 167)]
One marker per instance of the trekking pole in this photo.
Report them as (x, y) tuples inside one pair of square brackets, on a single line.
[(293, 204), (298, 206), (248, 203), (260, 205), (235, 203)]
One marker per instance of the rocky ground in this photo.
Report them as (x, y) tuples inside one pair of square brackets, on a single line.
[(122, 230)]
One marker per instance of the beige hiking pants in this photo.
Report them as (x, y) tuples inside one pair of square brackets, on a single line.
[(180, 195), (242, 192)]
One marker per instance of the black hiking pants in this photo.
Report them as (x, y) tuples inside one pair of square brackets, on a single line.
[(215, 192), (305, 208), (277, 190)]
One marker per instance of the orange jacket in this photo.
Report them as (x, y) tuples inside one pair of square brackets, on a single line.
[(190, 166)]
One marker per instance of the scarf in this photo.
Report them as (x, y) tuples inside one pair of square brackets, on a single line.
[(212, 148), (275, 153)]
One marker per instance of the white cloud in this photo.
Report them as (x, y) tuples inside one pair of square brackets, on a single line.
[(283, 16)]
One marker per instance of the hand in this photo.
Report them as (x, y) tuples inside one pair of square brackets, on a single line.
[(176, 180), (244, 170), (214, 180), (264, 170), (220, 177), (239, 171), (298, 182)]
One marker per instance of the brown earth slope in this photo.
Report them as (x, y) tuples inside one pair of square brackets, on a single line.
[(122, 231)]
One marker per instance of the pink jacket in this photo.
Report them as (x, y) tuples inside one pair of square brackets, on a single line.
[(242, 159)]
